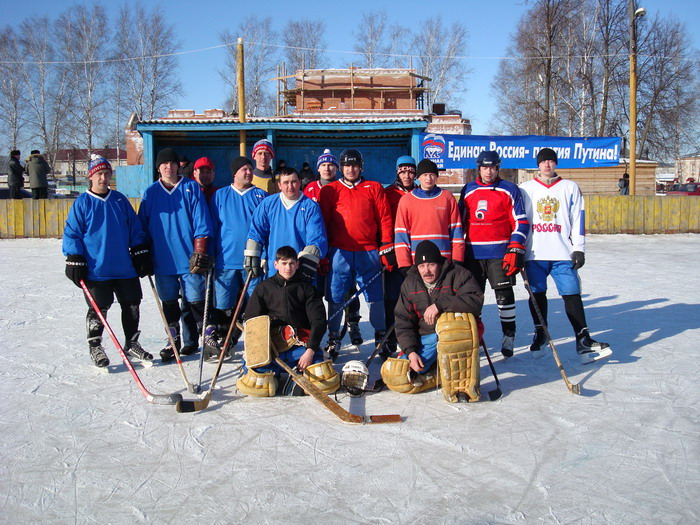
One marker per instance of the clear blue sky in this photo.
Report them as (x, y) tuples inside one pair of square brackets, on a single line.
[(198, 23)]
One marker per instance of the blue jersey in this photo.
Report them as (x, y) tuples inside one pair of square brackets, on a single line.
[(173, 219), (274, 226), (102, 229), (231, 214)]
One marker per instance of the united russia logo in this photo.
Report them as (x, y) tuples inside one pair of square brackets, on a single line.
[(433, 146)]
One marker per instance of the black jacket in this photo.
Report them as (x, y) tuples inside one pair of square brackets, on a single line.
[(294, 302), (16, 170), (455, 290)]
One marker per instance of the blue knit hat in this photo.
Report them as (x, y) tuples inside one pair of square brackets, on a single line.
[(327, 157), (96, 164)]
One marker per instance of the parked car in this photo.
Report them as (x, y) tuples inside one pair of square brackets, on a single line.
[(690, 188)]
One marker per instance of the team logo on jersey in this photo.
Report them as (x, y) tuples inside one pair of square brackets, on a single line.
[(547, 209), (433, 146), (481, 208)]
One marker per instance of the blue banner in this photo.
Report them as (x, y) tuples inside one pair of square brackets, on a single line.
[(461, 151)]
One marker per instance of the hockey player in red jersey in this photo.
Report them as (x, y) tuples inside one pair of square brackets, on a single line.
[(495, 229), (358, 223)]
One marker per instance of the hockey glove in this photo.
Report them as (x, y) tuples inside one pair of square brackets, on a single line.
[(251, 258), (324, 267), (76, 268), (200, 261), (307, 268), (513, 261), (579, 259), (141, 258), (388, 257)]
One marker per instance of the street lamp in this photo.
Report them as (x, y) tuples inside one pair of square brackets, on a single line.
[(634, 13)]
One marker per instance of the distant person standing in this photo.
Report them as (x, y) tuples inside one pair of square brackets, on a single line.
[(38, 169), (262, 174), (624, 184), (203, 173), (306, 175), (15, 179)]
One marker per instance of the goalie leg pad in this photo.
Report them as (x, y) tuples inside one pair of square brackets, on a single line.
[(324, 376), (458, 356), (396, 375), (257, 384)]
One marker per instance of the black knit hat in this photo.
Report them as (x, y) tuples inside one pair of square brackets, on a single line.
[(547, 154), (167, 155), (427, 252), (426, 166), (238, 163)]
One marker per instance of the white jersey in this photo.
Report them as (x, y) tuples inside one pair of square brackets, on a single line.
[(556, 215)]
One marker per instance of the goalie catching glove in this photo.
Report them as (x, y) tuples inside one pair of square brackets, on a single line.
[(200, 261), (513, 261)]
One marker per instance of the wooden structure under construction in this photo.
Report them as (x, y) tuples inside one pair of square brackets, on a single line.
[(351, 91)]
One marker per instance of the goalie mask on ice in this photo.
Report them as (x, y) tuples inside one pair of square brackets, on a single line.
[(354, 378), (458, 355)]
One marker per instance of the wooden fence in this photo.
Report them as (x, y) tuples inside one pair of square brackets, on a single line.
[(604, 214)]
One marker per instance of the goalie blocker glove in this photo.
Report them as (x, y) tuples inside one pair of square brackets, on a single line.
[(309, 259), (76, 268), (514, 259), (141, 259), (200, 261), (388, 256)]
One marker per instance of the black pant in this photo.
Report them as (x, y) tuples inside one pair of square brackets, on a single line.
[(40, 193), (14, 191)]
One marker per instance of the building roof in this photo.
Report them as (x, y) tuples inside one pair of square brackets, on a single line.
[(353, 117)]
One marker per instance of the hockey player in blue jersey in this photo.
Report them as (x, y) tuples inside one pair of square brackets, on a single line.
[(174, 214), (289, 218), (105, 246), (232, 210)]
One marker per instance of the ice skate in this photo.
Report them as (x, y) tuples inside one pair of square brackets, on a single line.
[(355, 334), (590, 350), (134, 349), (508, 344), (212, 345), (98, 355), (167, 353), (538, 342), (332, 350)]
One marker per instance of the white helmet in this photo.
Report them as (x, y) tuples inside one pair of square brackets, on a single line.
[(354, 378)]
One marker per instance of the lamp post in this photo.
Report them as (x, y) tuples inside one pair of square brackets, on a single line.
[(634, 13)]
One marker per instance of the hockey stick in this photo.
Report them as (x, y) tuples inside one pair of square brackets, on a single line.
[(331, 405), (342, 307), (574, 389), (162, 399), (205, 315), (201, 404), (495, 393), (190, 386)]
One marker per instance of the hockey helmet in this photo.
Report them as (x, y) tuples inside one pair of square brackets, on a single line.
[(488, 158), (351, 156), (405, 160), (354, 378)]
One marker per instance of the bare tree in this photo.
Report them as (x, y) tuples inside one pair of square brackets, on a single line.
[(145, 69), (11, 88), (440, 50), (370, 39), (83, 42), (259, 59), (46, 86), (304, 39)]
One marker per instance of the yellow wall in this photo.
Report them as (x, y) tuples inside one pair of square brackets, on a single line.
[(604, 214)]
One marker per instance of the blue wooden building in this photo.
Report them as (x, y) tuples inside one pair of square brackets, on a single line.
[(295, 139)]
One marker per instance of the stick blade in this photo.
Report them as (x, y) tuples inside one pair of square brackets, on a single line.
[(193, 406), (165, 399), (495, 394), (386, 418)]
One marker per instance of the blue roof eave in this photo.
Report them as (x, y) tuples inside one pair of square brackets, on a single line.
[(300, 126)]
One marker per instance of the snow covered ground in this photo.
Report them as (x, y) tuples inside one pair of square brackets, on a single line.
[(81, 446)]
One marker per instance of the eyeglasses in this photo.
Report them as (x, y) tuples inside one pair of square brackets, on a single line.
[(407, 170)]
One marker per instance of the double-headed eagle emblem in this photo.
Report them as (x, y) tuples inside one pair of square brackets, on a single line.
[(547, 209)]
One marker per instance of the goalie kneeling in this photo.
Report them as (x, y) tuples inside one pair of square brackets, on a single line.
[(287, 314), (436, 319)]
